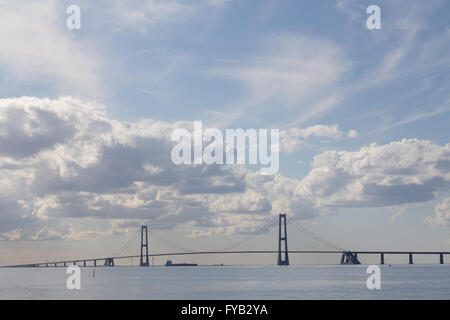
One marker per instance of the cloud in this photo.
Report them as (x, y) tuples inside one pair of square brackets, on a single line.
[(442, 214), (290, 71), (72, 162), (413, 44), (247, 202), (398, 212), (218, 3), (47, 234), (37, 50), (142, 16), (65, 159), (36, 46), (295, 138), (27, 131), (10, 235), (152, 17), (419, 116), (397, 173), (355, 11), (352, 134)]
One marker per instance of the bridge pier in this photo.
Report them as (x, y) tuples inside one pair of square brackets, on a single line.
[(441, 258), (349, 257), (410, 258), (109, 262), (382, 258)]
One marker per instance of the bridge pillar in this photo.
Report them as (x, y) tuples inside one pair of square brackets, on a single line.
[(282, 237), (349, 257), (410, 258), (144, 247), (441, 258), (109, 262), (382, 258)]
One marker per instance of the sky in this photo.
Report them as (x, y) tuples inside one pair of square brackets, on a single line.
[(86, 117)]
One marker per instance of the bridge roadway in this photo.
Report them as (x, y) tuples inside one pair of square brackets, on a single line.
[(109, 261)]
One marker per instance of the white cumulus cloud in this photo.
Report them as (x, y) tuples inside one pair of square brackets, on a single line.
[(442, 214), (66, 159)]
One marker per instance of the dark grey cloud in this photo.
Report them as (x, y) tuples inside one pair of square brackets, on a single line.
[(26, 132)]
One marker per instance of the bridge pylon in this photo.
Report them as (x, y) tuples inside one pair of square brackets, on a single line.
[(144, 247), (282, 238)]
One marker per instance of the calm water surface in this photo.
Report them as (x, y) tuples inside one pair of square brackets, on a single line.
[(229, 282)]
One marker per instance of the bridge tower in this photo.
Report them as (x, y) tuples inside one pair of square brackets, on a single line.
[(282, 237), (144, 246)]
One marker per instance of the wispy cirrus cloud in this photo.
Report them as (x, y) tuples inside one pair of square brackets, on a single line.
[(35, 46), (418, 116), (291, 72), (143, 16)]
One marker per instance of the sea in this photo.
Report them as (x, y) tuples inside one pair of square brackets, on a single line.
[(229, 282)]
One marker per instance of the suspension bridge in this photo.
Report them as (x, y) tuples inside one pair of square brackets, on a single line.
[(348, 257)]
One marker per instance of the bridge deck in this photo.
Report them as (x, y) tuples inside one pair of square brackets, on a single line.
[(62, 262)]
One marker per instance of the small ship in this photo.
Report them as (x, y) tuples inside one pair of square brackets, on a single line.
[(170, 264)]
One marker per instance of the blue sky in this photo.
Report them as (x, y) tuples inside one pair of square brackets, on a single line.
[(363, 113)]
